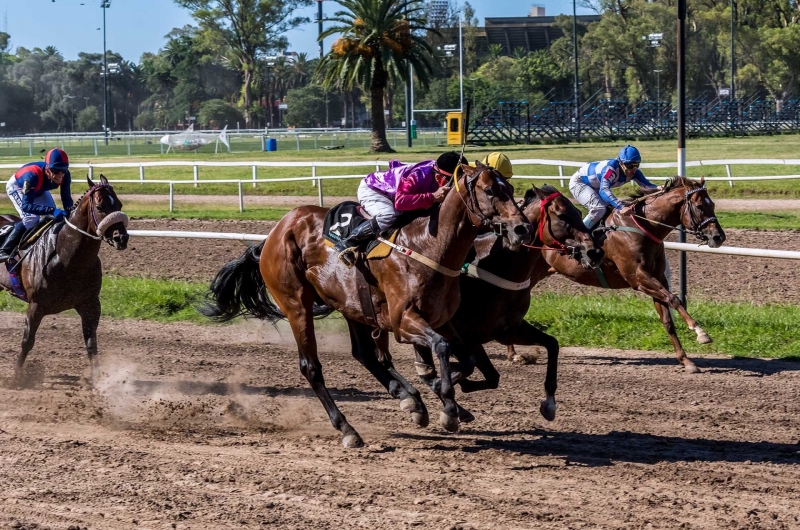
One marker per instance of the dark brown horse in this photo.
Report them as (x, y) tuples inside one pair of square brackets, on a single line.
[(62, 269), (494, 308), (412, 299), (634, 255)]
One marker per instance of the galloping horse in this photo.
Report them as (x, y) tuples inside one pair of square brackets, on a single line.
[(62, 269), (634, 250), (414, 292), (496, 297)]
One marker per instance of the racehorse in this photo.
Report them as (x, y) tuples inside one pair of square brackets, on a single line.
[(414, 291), (62, 269), (496, 295), (634, 250)]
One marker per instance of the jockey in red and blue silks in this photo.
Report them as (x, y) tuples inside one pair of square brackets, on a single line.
[(29, 190), (591, 184)]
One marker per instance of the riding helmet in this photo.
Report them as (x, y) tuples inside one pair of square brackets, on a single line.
[(57, 160), (448, 162), (501, 163), (629, 155)]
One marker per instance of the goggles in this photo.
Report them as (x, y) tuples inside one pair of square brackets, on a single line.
[(632, 165)]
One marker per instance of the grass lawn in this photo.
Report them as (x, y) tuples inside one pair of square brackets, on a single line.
[(781, 146)]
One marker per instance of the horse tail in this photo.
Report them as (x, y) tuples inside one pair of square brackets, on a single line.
[(239, 290)]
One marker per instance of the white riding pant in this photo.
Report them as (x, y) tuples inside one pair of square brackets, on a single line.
[(589, 198), (15, 194), (378, 205)]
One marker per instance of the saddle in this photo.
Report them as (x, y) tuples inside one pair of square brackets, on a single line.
[(342, 219), (31, 235)]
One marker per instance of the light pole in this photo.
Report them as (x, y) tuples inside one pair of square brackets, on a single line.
[(71, 111), (575, 56), (733, 106), (105, 4), (658, 94), (86, 100)]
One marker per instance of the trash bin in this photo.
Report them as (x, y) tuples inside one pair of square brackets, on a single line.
[(272, 144), (413, 129)]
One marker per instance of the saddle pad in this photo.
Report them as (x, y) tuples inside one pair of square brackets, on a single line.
[(342, 219)]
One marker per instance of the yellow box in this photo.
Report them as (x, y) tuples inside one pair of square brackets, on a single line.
[(455, 128)]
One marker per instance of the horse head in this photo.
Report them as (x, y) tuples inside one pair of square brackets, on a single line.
[(489, 199), (559, 225), (102, 211), (697, 209)]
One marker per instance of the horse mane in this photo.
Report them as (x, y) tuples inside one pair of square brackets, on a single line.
[(531, 195), (670, 184)]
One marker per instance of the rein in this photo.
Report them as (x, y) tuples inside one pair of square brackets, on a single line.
[(92, 209), (698, 225)]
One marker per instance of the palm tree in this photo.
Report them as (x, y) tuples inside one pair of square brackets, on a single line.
[(378, 41)]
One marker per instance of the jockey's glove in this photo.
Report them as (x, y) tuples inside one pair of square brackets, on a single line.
[(59, 214)]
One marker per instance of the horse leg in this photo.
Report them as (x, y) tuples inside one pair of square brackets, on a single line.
[(298, 307), (427, 374), (655, 288), (415, 330), (33, 318), (90, 318), (513, 357), (527, 334), (669, 326), (364, 349)]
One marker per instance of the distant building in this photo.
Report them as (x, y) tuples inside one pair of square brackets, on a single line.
[(531, 33)]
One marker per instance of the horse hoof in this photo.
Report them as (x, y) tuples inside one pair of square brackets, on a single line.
[(548, 410), (421, 418), (465, 416), (703, 338), (352, 441), (448, 423), (408, 405), (521, 358), (691, 369)]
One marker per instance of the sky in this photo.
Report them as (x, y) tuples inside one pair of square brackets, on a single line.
[(134, 27)]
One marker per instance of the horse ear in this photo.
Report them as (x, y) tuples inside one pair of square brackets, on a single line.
[(103, 180), (702, 181), (89, 180)]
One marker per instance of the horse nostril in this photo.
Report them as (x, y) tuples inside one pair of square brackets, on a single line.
[(521, 230)]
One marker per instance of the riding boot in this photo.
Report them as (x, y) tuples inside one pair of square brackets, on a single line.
[(347, 247), (10, 245)]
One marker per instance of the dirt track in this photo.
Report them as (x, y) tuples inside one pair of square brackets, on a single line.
[(208, 427), (214, 427)]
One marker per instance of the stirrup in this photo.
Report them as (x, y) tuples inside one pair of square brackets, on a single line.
[(346, 259)]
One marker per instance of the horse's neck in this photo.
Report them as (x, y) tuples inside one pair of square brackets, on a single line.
[(74, 248), (664, 209), (512, 265), (448, 243)]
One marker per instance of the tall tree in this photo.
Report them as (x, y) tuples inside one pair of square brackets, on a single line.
[(250, 28), (379, 38)]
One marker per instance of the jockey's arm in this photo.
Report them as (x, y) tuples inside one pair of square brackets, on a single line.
[(408, 198), (605, 192), (66, 193), (642, 181), (28, 206)]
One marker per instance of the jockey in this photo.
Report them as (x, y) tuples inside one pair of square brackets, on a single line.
[(29, 190), (501, 163), (591, 184), (385, 195)]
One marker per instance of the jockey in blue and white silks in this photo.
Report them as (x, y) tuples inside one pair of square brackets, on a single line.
[(591, 184)]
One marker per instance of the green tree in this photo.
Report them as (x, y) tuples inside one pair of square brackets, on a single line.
[(306, 107), (218, 113), (146, 121), (88, 119), (379, 38), (249, 28)]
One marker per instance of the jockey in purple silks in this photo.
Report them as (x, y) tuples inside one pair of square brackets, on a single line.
[(29, 191), (386, 195)]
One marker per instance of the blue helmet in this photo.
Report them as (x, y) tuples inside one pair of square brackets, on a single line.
[(56, 159), (629, 155)]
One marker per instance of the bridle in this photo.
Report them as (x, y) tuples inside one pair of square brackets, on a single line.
[(472, 204), (92, 209)]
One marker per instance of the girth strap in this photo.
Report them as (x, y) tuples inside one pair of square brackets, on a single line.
[(475, 272), (365, 297)]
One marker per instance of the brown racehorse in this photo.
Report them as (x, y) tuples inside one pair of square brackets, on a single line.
[(490, 312), (635, 258), (62, 269), (411, 299)]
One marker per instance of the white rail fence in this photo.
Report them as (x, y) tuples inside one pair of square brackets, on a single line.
[(317, 180), (683, 247)]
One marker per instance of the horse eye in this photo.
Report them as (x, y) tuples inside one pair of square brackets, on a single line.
[(489, 192)]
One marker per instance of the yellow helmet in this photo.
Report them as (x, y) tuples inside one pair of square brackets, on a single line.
[(501, 163)]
